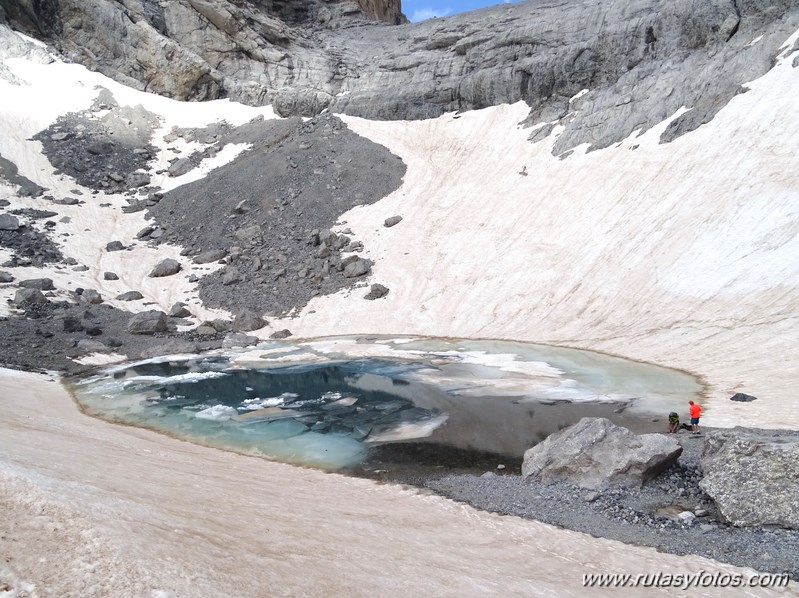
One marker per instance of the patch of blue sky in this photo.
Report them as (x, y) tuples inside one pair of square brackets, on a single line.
[(421, 10)]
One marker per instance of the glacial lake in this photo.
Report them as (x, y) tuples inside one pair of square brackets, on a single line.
[(331, 403)]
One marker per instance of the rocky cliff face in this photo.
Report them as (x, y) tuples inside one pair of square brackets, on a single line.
[(639, 61)]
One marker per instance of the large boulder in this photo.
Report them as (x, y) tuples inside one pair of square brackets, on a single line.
[(30, 296), (357, 267), (130, 296), (43, 284), (753, 475), (239, 339), (148, 322), (9, 222), (91, 296), (595, 453), (247, 321), (166, 267)]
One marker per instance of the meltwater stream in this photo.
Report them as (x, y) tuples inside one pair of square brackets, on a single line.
[(330, 403)]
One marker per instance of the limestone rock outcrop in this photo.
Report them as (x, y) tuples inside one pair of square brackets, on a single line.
[(595, 453), (617, 67), (753, 475)]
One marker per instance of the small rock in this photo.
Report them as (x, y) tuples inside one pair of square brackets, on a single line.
[(686, 517), (92, 296), (220, 325), (180, 167), (247, 321), (100, 147), (114, 246), (356, 268), (205, 330), (6, 277), (742, 398), (43, 284), (377, 291), (90, 346), (212, 255), (591, 496), (130, 296), (30, 296), (179, 311), (138, 179), (394, 220), (145, 232), (72, 324), (230, 276), (110, 276), (9, 222), (280, 334), (166, 267), (148, 322), (238, 339)]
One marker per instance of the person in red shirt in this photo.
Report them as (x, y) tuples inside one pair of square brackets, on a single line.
[(695, 411)]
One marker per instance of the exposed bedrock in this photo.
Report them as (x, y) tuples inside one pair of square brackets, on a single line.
[(641, 60)]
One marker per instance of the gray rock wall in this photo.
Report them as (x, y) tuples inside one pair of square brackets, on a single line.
[(640, 60)]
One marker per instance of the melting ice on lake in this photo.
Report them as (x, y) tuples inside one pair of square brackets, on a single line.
[(324, 403)]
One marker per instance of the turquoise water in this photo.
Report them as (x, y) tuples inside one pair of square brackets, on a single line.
[(326, 403)]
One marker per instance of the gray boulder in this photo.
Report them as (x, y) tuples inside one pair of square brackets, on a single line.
[(238, 339), (130, 296), (376, 292), (148, 322), (91, 296), (110, 276), (6, 277), (280, 334), (43, 284), (220, 325), (90, 346), (230, 276), (753, 476), (595, 453), (742, 398), (30, 296), (357, 267), (212, 255), (180, 167), (247, 321), (205, 330), (114, 246), (393, 220), (166, 267), (138, 179), (9, 222), (179, 311)]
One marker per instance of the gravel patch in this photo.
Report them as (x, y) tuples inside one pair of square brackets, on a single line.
[(267, 209)]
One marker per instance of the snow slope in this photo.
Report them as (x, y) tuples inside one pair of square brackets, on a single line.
[(684, 254)]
